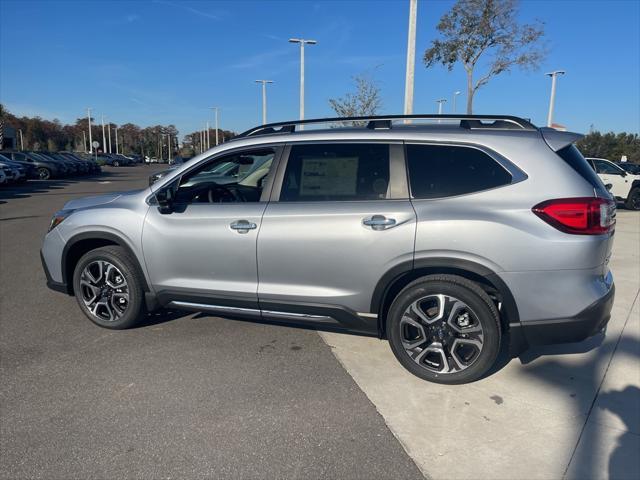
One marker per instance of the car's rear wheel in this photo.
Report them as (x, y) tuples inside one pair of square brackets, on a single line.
[(633, 200), (108, 288), (44, 173), (445, 329)]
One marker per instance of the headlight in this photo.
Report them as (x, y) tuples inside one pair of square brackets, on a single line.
[(58, 218)]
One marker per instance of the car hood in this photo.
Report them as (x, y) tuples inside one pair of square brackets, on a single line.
[(87, 202)]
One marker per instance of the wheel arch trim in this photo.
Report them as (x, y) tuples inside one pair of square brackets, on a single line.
[(402, 273), (100, 236)]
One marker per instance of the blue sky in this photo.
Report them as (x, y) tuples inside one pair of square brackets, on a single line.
[(166, 61)]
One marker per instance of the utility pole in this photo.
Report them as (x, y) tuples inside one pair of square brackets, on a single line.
[(90, 141), (116, 140), (109, 131), (104, 138), (84, 141), (264, 99), (22, 140), (552, 100), (302, 43), (455, 94), (440, 102), (411, 58), (216, 110)]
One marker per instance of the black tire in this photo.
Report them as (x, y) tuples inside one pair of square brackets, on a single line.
[(633, 200), (127, 267), (44, 173), (484, 313)]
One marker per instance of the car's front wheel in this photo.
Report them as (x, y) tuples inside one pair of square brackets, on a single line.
[(445, 329), (108, 288)]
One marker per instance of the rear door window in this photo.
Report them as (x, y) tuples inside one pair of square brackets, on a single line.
[(334, 172), (437, 171)]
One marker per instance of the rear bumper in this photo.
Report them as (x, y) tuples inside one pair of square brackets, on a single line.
[(585, 324)]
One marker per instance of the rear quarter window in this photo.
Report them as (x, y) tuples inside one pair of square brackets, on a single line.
[(437, 171), (572, 156)]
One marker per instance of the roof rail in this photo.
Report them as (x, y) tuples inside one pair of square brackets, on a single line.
[(496, 122)]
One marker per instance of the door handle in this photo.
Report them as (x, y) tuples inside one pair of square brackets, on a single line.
[(379, 222), (243, 226)]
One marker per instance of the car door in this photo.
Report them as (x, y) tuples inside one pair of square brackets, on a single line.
[(614, 175), (339, 219), (203, 250)]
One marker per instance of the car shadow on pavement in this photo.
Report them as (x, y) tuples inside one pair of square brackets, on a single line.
[(624, 404), (161, 316)]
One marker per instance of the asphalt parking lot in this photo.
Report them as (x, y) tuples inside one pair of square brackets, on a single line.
[(192, 396)]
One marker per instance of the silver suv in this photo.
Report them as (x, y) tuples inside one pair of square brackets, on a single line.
[(451, 236)]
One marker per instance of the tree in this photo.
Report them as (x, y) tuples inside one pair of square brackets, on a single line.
[(611, 146), (364, 102), (473, 29)]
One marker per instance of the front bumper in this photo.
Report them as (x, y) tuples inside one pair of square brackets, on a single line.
[(51, 283)]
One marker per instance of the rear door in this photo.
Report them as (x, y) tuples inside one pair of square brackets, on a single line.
[(339, 219)]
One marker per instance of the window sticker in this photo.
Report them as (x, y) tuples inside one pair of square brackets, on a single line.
[(329, 176)]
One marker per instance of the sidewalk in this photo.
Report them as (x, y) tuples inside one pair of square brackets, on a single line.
[(567, 411)]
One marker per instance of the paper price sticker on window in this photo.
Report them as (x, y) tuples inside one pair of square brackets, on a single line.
[(329, 176)]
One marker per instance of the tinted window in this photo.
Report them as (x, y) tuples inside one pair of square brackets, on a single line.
[(334, 172), (437, 171), (574, 158), (606, 167)]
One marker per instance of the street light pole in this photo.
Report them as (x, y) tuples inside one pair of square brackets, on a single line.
[(411, 58), (116, 140), (109, 131), (22, 140), (264, 99), (440, 102), (455, 94), (90, 141), (302, 43), (552, 100), (216, 110), (208, 142), (104, 138)]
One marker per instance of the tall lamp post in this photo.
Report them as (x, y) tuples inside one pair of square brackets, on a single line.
[(104, 137), (552, 100), (455, 95), (302, 43), (411, 58), (90, 141), (440, 102), (264, 99), (216, 117)]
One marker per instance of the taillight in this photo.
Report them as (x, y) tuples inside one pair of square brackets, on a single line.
[(579, 216)]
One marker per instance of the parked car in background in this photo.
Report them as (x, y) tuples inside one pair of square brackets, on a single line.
[(632, 168), (625, 186), (3, 177), (449, 239), (24, 173), (45, 169), (11, 173)]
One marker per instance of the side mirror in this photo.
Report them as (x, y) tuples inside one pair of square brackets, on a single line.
[(608, 186), (165, 199)]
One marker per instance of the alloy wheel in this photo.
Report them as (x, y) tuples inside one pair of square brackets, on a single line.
[(441, 333), (105, 291), (44, 174)]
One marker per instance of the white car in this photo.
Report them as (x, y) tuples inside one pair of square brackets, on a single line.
[(624, 185)]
